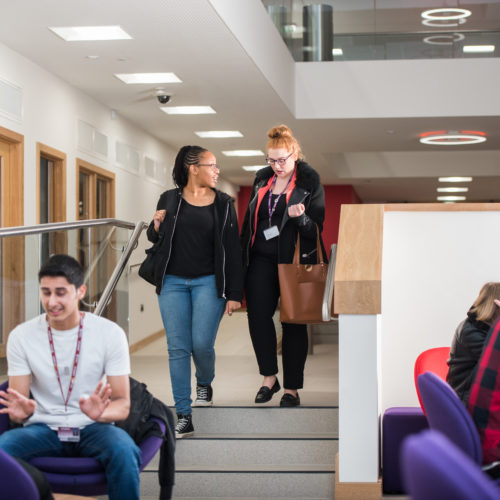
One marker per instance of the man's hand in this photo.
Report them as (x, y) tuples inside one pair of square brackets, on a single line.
[(232, 305), (97, 402), (18, 407)]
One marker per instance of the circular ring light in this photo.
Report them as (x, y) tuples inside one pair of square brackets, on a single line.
[(443, 16), (444, 138), (443, 24), (444, 39)]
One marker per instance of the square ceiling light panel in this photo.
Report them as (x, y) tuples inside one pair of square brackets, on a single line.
[(218, 134), (90, 33), (150, 78), (188, 110)]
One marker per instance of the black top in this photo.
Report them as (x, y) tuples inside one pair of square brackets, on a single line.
[(193, 244), (261, 245), (465, 352)]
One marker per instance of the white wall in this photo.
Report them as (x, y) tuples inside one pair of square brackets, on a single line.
[(377, 89), (51, 111), (434, 264)]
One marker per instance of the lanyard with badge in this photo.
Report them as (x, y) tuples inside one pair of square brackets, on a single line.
[(69, 434), (273, 231)]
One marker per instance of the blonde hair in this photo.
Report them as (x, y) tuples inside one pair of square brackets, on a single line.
[(484, 306), (282, 137)]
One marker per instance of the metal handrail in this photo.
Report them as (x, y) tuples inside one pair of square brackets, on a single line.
[(120, 266), (62, 226), (326, 308)]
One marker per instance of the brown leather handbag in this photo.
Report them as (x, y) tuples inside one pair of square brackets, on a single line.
[(302, 287)]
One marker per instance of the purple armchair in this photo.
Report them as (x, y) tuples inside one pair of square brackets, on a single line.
[(16, 482), (82, 476), (435, 469), (447, 414)]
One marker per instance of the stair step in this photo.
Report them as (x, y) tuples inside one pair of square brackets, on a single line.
[(260, 468), (247, 449), (237, 484), (265, 419)]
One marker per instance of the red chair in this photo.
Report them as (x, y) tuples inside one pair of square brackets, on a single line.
[(432, 360)]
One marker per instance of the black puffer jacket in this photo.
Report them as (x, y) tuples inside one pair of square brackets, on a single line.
[(228, 271), (465, 352), (309, 191)]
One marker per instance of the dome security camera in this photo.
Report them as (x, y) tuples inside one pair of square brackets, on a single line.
[(163, 98)]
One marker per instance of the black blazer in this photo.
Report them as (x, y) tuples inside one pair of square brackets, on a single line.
[(309, 191), (228, 270)]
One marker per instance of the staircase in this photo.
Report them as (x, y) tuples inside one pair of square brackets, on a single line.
[(249, 452)]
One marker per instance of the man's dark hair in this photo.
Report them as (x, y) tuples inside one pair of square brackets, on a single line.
[(65, 266)]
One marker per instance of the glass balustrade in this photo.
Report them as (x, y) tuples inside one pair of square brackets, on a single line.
[(360, 30), (102, 247)]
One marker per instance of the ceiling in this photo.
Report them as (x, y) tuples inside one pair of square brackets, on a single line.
[(188, 38)]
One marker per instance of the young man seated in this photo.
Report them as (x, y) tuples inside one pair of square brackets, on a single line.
[(61, 357)]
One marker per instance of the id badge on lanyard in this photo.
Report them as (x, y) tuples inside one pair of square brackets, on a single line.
[(67, 434)]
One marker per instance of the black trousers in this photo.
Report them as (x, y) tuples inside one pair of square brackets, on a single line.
[(262, 291)]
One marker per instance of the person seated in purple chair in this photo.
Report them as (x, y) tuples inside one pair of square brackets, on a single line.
[(61, 357), (470, 337)]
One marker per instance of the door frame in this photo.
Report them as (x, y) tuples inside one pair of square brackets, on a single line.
[(59, 160), (12, 199)]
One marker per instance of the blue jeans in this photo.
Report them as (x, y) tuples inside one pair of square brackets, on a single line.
[(191, 311), (110, 445)]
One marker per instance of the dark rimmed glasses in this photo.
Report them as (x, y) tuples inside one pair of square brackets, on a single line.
[(279, 161), (213, 166)]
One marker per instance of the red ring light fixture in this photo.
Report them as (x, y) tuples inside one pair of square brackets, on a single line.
[(452, 138)]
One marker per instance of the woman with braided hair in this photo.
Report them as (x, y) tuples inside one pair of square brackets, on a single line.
[(199, 274)]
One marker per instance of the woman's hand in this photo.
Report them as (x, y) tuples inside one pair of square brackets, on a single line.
[(296, 210), (158, 218), (232, 305)]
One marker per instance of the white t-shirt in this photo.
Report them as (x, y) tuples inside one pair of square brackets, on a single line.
[(104, 351)]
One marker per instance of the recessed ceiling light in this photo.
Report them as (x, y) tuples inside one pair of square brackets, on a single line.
[(90, 33), (451, 198), (452, 138), (455, 179), (243, 152), (134, 78), (444, 39), (443, 24), (188, 110), (452, 189), (446, 14), (337, 52), (253, 168), (478, 49), (92, 57), (219, 134)]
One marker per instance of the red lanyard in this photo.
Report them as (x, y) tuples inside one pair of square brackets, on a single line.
[(75, 361)]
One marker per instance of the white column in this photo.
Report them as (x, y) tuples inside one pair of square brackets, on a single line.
[(358, 398)]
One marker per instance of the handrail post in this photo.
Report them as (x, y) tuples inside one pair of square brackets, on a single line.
[(118, 270), (326, 314)]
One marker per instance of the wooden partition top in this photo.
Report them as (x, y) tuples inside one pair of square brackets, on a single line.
[(358, 271)]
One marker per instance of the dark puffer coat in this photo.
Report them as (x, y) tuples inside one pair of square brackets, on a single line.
[(465, 352), (309, 191)]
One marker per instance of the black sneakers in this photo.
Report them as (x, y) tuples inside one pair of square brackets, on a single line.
[(184, 427), (204, 395)]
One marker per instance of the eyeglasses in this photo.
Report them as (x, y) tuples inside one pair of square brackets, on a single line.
[(213, 166), (279, 161)]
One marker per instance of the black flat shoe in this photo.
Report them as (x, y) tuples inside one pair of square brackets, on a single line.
[(290, 400), (265, 394)]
